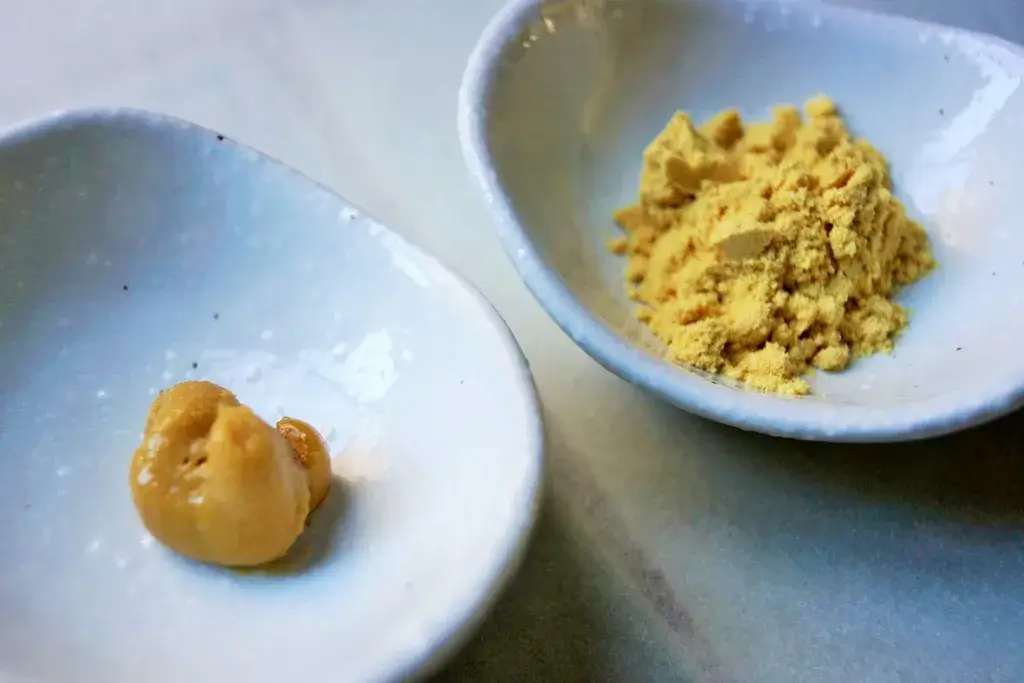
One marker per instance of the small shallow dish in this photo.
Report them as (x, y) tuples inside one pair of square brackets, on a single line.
[(139, 251), (560, 98)]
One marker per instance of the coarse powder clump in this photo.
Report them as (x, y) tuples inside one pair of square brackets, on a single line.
[(760, 251)]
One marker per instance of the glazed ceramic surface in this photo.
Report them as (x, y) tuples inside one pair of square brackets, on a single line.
[(139, 251), (560, 98)]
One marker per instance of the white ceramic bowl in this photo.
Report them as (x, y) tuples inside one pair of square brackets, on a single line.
[(560, 98), (138, 251)]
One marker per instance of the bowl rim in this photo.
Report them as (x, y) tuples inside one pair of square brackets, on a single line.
[(454, 633), (769, 414)]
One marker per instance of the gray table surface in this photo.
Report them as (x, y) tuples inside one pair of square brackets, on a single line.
[(572, 615)]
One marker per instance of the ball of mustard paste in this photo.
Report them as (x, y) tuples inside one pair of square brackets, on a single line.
[(214, 482), (312, 453)]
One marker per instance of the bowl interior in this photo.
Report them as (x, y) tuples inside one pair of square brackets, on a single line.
[(140, 251), (578, 95)]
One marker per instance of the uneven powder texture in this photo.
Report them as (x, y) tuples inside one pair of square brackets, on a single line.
[(759, 251)]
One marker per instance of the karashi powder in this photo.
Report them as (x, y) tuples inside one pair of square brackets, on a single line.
[(760, 251)]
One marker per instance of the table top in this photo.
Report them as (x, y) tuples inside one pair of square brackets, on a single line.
[(669, 548)]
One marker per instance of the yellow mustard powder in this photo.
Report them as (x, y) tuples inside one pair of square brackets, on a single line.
[(760, 251)]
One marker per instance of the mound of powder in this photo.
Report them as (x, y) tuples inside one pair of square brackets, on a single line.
[(760, 251)]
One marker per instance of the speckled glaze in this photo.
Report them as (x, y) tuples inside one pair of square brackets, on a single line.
[(139, 251), (560, 98)]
